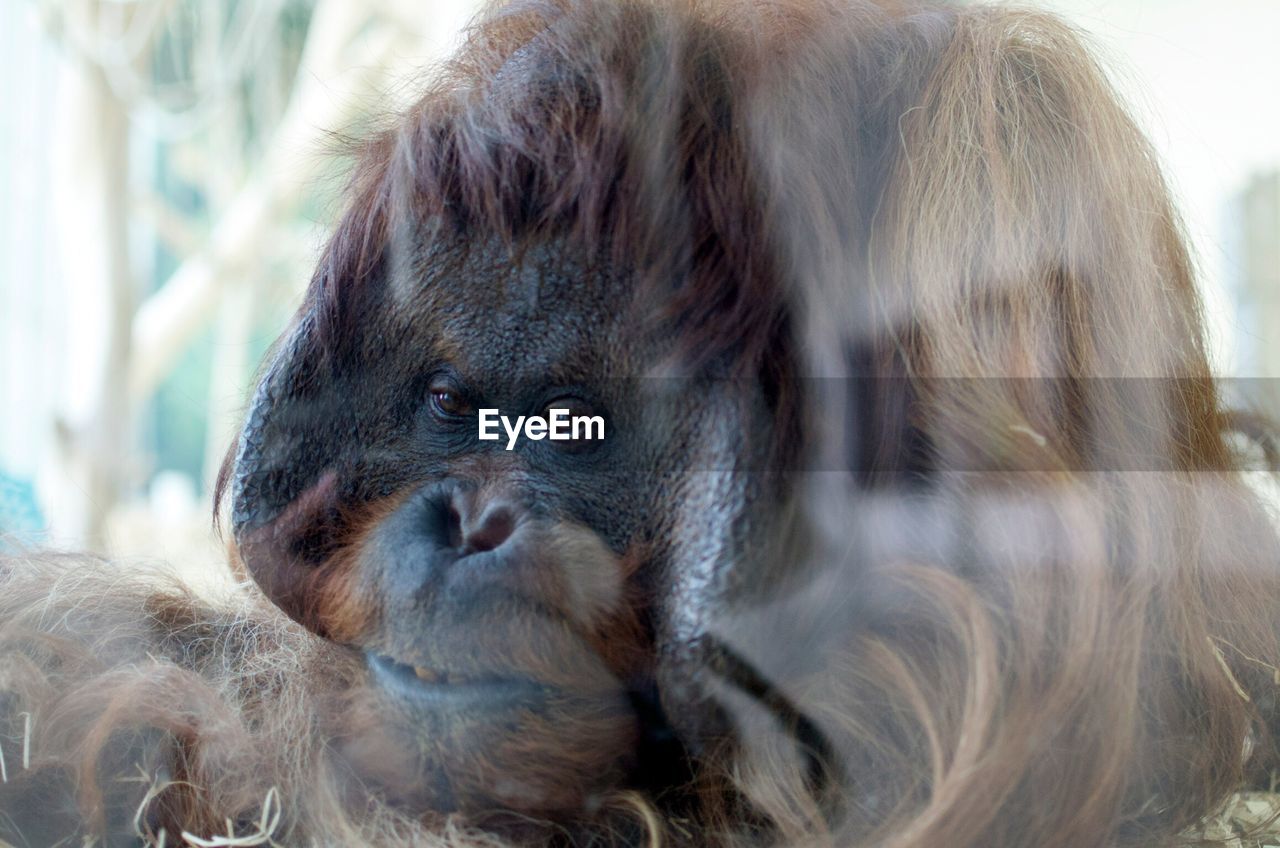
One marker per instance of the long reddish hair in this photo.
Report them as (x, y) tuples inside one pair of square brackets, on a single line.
[(1065, 623)]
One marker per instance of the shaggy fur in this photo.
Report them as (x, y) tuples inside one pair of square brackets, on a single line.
[(1024, 598)]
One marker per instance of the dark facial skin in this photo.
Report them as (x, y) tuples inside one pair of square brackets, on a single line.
[(517, 611)]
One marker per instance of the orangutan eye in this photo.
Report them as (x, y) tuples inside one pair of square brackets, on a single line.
[(575, 424), (447, 401), (573, 406)]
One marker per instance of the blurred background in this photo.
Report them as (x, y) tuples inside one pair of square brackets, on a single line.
[(169, 168)]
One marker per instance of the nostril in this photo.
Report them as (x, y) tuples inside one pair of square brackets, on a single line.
[(462, 519), (494, 527), (453, 526)]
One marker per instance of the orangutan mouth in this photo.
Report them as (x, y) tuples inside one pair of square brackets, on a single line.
[(454, 688)]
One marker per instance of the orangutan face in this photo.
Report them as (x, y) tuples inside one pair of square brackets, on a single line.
[(510, 597)]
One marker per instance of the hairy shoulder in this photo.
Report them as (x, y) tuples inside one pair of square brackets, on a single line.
[(121, 690)]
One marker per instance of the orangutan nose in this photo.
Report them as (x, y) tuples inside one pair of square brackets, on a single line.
[(486, 531), (467, 518)]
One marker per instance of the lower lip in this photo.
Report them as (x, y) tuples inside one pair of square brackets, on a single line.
[(486, 694)]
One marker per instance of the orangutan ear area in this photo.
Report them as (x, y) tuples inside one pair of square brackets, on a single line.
[(636, 424)]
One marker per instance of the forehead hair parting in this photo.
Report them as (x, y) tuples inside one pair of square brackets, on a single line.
[(641, 132)]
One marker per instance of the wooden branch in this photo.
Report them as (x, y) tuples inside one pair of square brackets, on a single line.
[(171, 317)]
